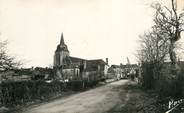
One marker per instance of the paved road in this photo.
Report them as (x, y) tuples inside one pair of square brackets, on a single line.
[(98, 100)]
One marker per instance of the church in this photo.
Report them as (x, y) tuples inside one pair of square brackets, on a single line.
[(73, 68)]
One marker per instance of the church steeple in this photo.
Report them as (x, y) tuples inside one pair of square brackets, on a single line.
[(61, 56), (62, 40), (62, 46)]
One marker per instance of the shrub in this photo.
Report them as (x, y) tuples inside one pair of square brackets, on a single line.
[(75, 85), (148, 80), (178, 85), (171, 87), (15, 93)]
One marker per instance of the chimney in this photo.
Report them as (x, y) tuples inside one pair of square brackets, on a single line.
[(85, 64), (107, 61)]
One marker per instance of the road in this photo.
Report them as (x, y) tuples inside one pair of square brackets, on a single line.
[(97, 100)]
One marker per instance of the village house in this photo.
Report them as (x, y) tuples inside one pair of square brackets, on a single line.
[(23, 74), (122, 71), (129, 68), (115, 72), (26, 74), (67, 67), (40, 73)]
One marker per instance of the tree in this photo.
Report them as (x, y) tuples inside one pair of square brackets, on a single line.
[(154, 47), (169, 22), (7, 61), (162, 39), (160, 42), (152, 54)]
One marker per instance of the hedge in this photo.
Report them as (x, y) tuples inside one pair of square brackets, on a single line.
[(17, 93)]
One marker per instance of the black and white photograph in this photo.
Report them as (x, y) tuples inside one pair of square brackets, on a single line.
[(91, 56)]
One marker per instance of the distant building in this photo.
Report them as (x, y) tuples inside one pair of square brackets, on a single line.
[(23, 74), (73, 68), (122, 71), (26, 74), (129, 68), (40, 73), (115, 72)]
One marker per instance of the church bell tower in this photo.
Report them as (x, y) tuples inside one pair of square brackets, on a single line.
[(61, 56)]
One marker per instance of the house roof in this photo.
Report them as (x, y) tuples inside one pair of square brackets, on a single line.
[(129, 65), (124, 66), (43, 70), (115, 66)]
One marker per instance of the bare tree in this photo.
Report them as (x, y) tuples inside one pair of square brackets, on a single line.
[(169, 22), (153, 46), (160, 42), (7, 61), (153, 51)]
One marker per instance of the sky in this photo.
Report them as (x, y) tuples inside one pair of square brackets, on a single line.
[(92, 29)]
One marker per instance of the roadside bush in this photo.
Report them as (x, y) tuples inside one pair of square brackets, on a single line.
[(90, 84), (13, 93), (17, 93), (171, 87), (147, 79), (179, 85), (164, 87), (75, 85)]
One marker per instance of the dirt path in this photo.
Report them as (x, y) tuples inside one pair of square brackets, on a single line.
[(98, 100), (136, 101)]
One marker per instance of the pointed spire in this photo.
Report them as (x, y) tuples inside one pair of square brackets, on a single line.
[(62, 40)]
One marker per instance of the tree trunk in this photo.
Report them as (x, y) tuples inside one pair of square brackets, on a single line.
[(172, 53)]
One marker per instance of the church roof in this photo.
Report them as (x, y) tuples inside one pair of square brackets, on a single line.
[(59, 48), (76, 60), (62, 46), (62, 42), (97, 61)]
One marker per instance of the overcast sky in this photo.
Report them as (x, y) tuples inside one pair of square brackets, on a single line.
[(92, 29)]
